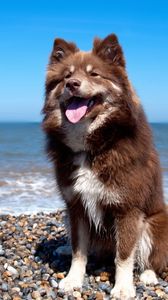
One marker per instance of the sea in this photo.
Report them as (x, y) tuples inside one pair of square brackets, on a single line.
[(27, 184)]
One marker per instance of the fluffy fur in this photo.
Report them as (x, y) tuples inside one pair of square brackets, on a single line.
[(105, 163)]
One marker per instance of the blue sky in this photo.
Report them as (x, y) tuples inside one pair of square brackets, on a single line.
[(27, 31)]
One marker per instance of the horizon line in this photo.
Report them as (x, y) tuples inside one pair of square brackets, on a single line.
[(30, 121)]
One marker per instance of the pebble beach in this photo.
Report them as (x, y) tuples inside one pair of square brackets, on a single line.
[(35, 254)]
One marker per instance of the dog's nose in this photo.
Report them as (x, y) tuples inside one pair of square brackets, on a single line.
[(73, 84)]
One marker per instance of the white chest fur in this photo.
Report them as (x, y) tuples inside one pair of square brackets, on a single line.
[(92, 192)]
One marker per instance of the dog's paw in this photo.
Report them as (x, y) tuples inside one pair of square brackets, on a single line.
[(123, 292), (148, 277), (69, 283)]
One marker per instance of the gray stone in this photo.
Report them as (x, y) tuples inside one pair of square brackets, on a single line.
[(46, 277), (140, 287), (4, 287), (162, 283), (54, 223), (91, 297), (71, 297), (53, 283), (103, 286), (61, 293), (2, 223), (108, 290), (37, 259), (152, 294)]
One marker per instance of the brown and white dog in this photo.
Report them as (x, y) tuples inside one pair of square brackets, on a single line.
[(106, 166)]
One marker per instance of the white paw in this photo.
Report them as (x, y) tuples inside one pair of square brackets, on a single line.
[(69, 283), (123, 292), (148, 277)]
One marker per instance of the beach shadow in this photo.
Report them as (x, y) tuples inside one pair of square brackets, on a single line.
[(47, 252), (57, 253)]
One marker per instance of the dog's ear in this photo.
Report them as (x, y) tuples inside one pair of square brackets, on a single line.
[(62, 49), (109, 50)]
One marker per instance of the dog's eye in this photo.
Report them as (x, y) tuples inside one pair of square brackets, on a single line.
[(94, 74), (68, 75)]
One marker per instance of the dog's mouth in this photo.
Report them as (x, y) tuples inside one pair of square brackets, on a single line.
[(78, 107)]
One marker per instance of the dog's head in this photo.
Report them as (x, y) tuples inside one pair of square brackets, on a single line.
[(83, 89)]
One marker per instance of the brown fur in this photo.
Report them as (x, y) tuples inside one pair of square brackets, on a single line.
[(119, 152)]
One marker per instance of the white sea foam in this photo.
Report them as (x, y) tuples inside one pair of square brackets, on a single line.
[(29, 193), (33, 192), (165, 185), (27, 183)]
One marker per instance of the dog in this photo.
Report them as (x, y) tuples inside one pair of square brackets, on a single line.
[(106, 165)]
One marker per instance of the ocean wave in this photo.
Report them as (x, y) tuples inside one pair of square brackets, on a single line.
[(31, 192), (33, 183), (28, 193)]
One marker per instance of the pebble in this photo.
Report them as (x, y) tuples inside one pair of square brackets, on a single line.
[(4, 287), (15, 289), (36, 295), (152, 294), (2, 252), (12, 270), (5, 266), (104, 278), (97, 278), (104, 287), (46, 277), (77, 294), (163, 283), (53, 283), (61, 293), (35, 256), (60, 275), (37, 259), (99, 296), (160, 293), (70, 297)]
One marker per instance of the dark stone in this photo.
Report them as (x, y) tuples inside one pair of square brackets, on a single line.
[(60, 293), (71, 297), (152, 294), (37, 259), (92, 297)]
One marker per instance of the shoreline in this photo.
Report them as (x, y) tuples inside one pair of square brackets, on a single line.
[(35, 255)]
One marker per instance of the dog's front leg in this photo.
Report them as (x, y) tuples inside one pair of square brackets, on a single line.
[(79, 239), (128, 228)]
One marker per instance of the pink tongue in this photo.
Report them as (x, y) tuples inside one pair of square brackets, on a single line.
[(76, 110)]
